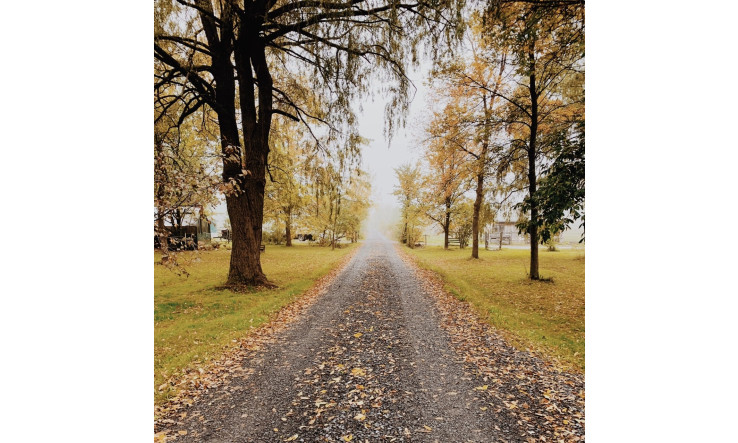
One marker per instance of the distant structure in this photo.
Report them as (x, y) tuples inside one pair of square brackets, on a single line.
[(503, 233), (186, 237)]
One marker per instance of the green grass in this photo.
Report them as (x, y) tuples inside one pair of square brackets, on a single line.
[(545, 315), (195, 321)]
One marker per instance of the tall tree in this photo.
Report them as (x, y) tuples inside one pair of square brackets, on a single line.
[(285, 193), (444, 184), (338, 196), (409, 193), (241, 57), (353, 208), (463, 224), (546, 43), (470, 83)]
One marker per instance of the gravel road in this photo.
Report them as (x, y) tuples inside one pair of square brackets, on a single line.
[(368, 361)]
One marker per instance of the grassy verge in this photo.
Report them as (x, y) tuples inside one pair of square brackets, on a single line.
[(544, 315), (194, 321)]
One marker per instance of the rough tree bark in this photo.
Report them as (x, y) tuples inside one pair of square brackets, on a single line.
[(245, 202)]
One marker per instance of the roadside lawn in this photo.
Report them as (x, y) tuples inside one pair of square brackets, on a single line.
[(545, 315), (194, 321)]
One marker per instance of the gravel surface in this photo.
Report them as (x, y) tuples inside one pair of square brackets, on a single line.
[(368, 361)]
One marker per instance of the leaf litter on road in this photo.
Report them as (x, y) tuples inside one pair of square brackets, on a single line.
[(547, 400), (380, 371)]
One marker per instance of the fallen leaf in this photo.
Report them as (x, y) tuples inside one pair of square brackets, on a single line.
[(182, 432), (347, 437), (358, 334), (293, 438)]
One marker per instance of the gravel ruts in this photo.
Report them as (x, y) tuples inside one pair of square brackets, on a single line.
[(384, 355)]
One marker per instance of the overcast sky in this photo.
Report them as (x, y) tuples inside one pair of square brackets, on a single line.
[(378, 159)]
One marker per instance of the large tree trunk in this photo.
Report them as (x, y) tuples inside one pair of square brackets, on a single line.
[(246, 213), (244, 169), (245, 209), (247, 171), (475, 216)]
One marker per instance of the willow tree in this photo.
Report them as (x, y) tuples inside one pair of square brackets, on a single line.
[(286, 190), (338, 196), (239, 57), (348, 204), (356, 206)]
